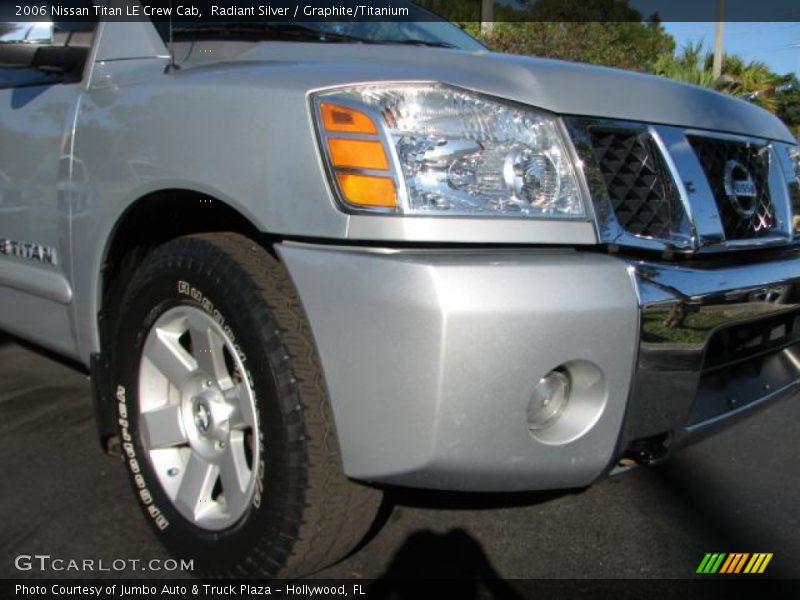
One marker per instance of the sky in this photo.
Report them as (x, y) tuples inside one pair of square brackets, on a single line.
[(777, 44)]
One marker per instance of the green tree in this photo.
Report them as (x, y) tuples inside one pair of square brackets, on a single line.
[(739, 78), (788, 102), (606, 32), (686, 66), (625, 44)]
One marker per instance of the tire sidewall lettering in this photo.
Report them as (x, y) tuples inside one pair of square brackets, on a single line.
[(185, 289), (132, 461)]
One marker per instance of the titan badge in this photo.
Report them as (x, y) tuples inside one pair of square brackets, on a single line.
[(29, 251)]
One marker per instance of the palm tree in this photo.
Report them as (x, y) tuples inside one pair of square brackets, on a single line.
[(687, 66), (739, 78)]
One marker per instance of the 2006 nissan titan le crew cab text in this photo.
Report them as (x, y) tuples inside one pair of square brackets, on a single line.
[(306, 261)]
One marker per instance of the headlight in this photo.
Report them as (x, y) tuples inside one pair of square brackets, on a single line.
[(794, 162), (431, 149), (791, 164)]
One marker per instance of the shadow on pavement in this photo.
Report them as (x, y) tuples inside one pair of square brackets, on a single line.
[(400, 498), (455, 556)]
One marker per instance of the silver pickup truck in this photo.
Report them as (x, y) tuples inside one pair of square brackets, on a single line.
[(305, 261)]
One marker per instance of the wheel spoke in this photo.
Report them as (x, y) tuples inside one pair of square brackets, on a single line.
[(167, 355), (161, 427), (189, 370), (208, 349), (243, 415), (234, 473), (197, 485)]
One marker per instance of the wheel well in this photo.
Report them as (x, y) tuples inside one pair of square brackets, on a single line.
[(153, 220)]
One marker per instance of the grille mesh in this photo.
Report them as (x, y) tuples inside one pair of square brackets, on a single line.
[(713, 155), (642, 195)]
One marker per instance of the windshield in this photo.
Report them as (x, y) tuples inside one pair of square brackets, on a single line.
[(421, 28)]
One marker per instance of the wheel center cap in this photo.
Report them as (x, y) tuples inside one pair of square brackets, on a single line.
[(202, 417), (210, 415)]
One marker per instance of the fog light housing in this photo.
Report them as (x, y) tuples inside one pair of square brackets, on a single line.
[(549, 398)]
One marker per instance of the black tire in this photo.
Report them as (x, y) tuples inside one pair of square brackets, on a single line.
[(308, 514)]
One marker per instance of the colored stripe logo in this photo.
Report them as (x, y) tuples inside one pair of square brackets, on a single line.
[(736, 562)]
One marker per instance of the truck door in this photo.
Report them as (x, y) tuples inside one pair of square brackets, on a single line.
[(41, 73)]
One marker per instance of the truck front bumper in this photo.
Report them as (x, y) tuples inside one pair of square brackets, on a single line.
[(431, 357)]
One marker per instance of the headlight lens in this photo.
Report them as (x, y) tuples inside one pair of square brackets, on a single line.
[(791, 162), (450, 152), (794, 161)]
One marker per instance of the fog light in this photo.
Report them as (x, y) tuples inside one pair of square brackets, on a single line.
[(549, 399)]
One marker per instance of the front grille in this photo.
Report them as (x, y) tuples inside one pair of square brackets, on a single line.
[(642, 195), (714, 154), (636, 174)]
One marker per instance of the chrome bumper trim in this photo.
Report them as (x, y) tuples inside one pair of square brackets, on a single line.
[(685, 358)]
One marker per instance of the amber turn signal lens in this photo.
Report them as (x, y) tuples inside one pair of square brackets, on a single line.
[(350, 153), (368, 190), (346, 120), (358, 154)]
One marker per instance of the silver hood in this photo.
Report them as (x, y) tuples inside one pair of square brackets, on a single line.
[(559, 86)]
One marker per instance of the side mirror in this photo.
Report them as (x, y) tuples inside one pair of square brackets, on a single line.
[(37, 45), (19, 42), (26, 33)]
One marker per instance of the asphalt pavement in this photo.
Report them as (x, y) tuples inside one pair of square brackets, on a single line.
[(737, 492)]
